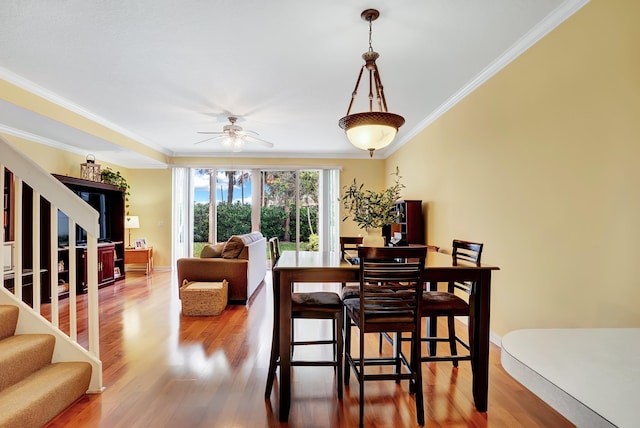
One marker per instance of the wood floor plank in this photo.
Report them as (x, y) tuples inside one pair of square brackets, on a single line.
[(162, 369)]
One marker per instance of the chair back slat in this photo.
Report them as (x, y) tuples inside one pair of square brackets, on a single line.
[(466, 251), (391, 284)]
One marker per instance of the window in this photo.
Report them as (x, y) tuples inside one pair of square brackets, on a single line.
[(300, 206)]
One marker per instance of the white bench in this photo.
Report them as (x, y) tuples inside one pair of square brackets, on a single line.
[(590, 376)]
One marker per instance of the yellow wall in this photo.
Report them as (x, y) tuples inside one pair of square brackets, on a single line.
[(541, 163), (52, 160), (150, 200)]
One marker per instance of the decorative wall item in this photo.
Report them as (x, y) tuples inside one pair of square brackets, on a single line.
[(141, 244), (90, 170)]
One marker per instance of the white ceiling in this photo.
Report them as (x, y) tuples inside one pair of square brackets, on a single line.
[(159, 71)]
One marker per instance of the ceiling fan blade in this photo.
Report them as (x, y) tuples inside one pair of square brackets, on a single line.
[(208, 139), (212, 132), (252, 139)]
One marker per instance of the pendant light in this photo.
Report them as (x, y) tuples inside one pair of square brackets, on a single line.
[(371, 130)]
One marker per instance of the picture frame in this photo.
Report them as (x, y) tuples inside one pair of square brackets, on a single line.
[(140, 244), (116, 272)]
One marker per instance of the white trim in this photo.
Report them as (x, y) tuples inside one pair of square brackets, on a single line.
[(35, 89), (261, 167), (494, 337), (41, 140)]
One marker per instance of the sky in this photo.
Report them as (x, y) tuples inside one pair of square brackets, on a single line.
[(201, 184)]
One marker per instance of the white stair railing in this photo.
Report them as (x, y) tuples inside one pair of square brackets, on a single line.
[(26, 172)]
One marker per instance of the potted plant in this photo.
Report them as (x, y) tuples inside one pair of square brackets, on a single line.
[(110, 176), (372, 210)]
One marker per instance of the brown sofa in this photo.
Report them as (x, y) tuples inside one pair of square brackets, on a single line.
[(242, 261)]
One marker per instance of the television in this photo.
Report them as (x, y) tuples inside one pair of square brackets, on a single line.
[(97, 201)]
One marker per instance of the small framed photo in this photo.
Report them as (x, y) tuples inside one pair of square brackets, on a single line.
[(116, 272), (140, 244)]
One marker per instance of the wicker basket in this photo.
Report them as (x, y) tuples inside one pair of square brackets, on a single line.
[(204, 298)]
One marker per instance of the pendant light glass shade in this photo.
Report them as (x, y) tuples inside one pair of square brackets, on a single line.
[(371, 131)]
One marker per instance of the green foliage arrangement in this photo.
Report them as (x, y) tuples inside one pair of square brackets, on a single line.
[(110, 176), (369, 209)]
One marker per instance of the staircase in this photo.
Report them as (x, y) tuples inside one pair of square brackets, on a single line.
[(33, 390)]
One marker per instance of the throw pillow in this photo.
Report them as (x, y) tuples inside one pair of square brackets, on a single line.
[(233, 247), (210, 251)]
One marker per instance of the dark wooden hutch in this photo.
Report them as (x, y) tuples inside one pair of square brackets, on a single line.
[(410, 222), (110, 253)]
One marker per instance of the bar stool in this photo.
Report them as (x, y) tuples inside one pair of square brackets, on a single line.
[(312, 305)]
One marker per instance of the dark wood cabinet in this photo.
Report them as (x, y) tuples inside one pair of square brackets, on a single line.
[(7, 211), (105, 265), (410, 223), (111, 245), (7, 221)]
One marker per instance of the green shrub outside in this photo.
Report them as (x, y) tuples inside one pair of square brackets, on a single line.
[(235, 219)]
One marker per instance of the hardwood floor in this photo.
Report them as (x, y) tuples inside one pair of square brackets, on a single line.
[(161, 369)]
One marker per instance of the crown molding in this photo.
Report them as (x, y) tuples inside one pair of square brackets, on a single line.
[(548, 24), (58, 100)]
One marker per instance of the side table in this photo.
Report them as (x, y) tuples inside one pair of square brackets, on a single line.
[(134, 256)]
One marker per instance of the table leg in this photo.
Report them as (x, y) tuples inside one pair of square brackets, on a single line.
[(285, 339), (479, 310)]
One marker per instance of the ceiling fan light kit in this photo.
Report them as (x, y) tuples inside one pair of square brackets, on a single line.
[(371, 130), (235, 136)]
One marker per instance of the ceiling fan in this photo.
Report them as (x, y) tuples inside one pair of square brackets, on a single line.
[(234, 137)]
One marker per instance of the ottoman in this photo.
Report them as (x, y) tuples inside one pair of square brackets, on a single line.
[(203, 298)]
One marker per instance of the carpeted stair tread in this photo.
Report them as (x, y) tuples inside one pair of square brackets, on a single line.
[(22, 355), (8, 320), (41, 396)]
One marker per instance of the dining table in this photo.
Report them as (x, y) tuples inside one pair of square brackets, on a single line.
[(332, 267)]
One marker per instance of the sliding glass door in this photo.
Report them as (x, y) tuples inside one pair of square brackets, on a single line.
[(296, 205), (289, 208)]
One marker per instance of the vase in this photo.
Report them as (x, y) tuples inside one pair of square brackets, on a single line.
[(374, 238)]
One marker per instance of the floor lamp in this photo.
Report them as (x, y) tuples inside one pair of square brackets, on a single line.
[(131, 222)]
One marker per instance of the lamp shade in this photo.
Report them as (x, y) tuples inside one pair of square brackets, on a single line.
[(131, 222)]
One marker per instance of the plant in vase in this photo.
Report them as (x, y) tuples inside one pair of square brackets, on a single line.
[(110, 176), (372, 210)]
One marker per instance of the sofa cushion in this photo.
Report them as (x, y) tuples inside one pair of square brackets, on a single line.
[(209, 250), (234, 246)]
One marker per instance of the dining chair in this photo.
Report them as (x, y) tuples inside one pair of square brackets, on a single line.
[(390, 295), (449, 304), (351, 244), (323, 305), (275, 254)]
